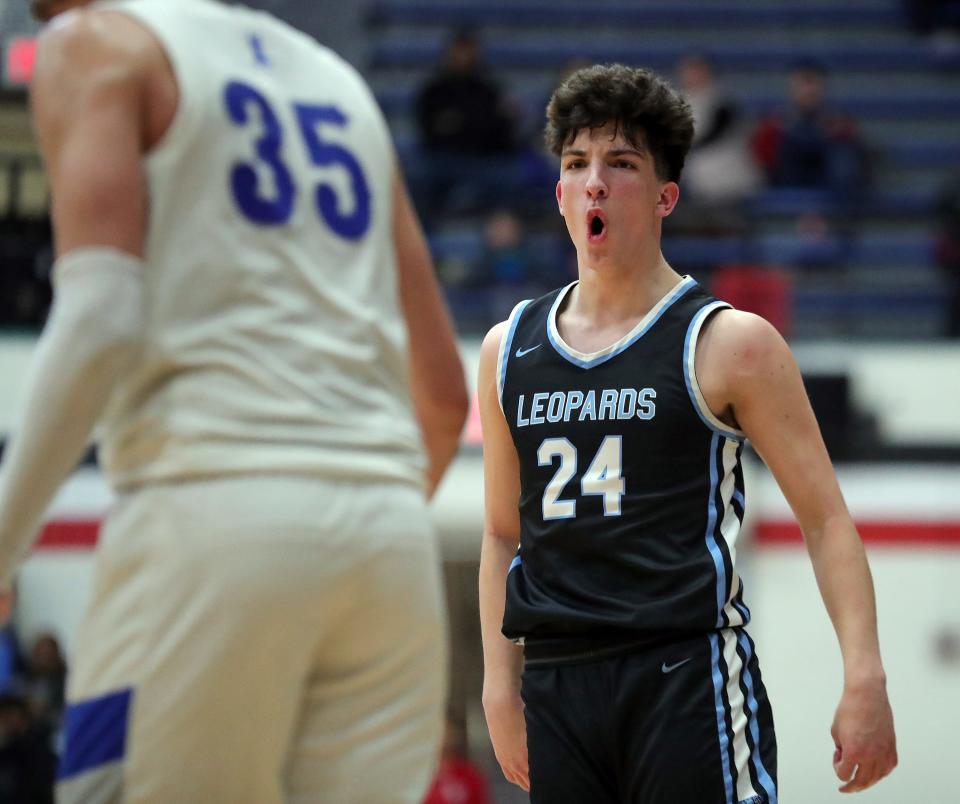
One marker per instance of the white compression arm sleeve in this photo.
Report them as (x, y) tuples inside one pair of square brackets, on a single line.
[(93, 333)]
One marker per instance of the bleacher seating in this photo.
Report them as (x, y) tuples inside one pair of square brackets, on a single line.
[(531, 13), (880, 277), (876, 275)]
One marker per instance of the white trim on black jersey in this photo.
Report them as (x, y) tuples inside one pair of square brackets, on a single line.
[(738, 717), (504, 356), (690, 374), (585, 360), (726, 529)]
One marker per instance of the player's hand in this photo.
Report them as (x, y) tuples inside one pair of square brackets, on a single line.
[(508, 733), (866, 746)]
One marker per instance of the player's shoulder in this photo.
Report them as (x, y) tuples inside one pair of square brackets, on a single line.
[(739, 328), (741, 343), (494, 337), (490, 350), (91, 28), (493, 340), (89, 37), (532, 310)]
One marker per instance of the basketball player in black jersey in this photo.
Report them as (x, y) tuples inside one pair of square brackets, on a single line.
[(614, 415)]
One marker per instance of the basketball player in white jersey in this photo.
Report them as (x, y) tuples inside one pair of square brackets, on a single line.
[(245, 303)]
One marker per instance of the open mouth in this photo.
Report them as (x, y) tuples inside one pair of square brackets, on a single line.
[(597, 226)]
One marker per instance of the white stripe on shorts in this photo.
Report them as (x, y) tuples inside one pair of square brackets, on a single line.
[(738, 715)]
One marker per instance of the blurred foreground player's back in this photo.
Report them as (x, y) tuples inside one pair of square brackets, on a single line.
[(245, 298), (274, 334)]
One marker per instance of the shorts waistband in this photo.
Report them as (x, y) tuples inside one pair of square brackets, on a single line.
[(541, 651)]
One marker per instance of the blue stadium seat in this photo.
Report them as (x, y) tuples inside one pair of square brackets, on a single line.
[(531, 13), (880, 57)]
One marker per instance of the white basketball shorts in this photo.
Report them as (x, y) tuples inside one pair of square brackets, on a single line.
[(259, 639)]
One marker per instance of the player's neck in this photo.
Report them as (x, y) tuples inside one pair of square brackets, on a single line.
[(613, 294)]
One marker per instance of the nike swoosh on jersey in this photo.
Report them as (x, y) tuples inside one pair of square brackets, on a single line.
[(669, 668), (522, 352)]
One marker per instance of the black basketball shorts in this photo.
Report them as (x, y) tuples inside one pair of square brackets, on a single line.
[(682, 722)]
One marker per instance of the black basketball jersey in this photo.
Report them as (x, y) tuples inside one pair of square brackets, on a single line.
[(631, 489)]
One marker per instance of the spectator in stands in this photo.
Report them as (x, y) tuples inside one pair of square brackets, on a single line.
[(461, 110), (510, 265), (508, 258), (44, 684), (9, 645), (809, 144), (948, 252), (719, 172), (27, 765), (458, 780), (468, 135)]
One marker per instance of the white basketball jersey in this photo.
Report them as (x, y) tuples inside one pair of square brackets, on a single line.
[(274, 335)]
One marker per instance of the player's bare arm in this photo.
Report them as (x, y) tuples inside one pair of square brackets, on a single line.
[(89, 115), (102, 95), (502, 659), (750, 380), (437, 380)]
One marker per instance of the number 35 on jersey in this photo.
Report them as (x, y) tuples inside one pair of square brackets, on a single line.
[(263, 186)]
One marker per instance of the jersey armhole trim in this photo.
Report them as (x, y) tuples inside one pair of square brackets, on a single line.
[(504, 356), (690, 374)]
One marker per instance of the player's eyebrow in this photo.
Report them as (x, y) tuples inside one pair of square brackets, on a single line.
[(617, 152)]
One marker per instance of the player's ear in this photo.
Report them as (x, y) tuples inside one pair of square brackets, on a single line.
[(669, 195), (560, 197)]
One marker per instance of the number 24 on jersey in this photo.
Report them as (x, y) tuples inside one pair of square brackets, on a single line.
[(604, 476)]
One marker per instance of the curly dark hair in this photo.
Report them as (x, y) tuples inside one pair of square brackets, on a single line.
[(645, 108)]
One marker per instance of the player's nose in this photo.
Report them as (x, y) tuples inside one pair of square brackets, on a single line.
[(596, 185)]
